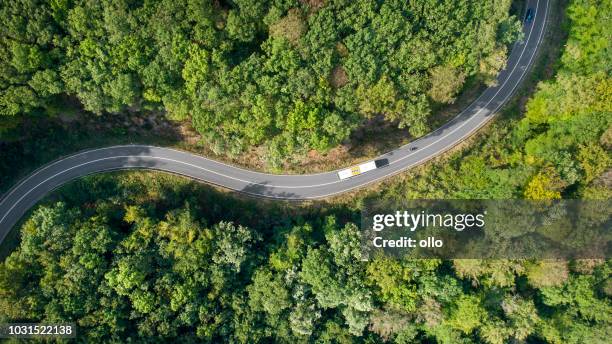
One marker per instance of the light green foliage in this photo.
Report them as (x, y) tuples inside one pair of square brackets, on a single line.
[(467, 314), (27, 48), (268, 293), (544, 185), (495, 332), (26, 58), (312, 127), (383, 98), (588, 44), (46, 83), (337, 277), (579, 292), (565, 329), (304, 318), (393, 279), (594, 160)]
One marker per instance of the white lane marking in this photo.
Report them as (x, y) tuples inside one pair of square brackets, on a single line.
[(472, 117), (153, 158), (309, 186), (432, 156), (50, 164), (421, 149), (525, 48), (466, 121), (541, 34), (489, 102)]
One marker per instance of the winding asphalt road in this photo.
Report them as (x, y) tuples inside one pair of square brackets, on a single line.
[(30, 190)]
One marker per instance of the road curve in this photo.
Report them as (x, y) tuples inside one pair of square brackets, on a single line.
[(33, 188)]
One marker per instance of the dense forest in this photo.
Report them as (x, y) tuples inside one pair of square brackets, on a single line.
[(560, 147), (153, 258), (287, 75), (150, 257)]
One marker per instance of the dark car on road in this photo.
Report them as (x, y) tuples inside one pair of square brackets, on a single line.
[(529, 15)]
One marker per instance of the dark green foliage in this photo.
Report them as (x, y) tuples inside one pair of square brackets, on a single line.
[(135, 261), (251, 72), (30, 56), (134, 258), (561, 148), (139, 277)]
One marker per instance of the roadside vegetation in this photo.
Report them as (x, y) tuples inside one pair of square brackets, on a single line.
[(129, 256), (558, 148), (288, 77), (133, 255)]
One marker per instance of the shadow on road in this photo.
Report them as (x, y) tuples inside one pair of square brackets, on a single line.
[(268, 191)]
